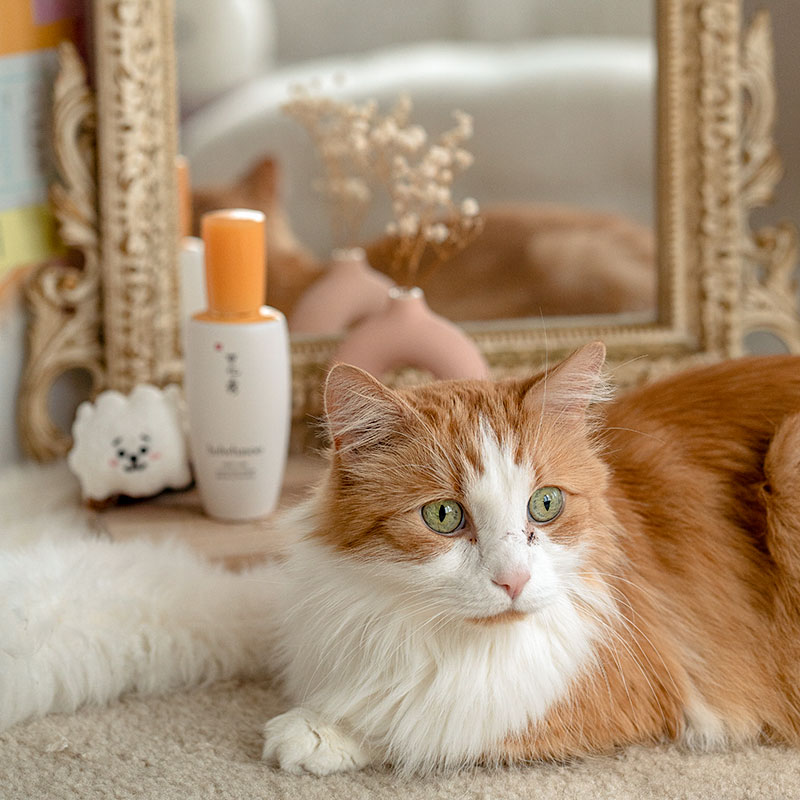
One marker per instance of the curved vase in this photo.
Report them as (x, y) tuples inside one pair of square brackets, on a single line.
[(406, 333), (348, 291)]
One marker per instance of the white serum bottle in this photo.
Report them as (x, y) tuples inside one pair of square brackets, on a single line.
[(237, 374)]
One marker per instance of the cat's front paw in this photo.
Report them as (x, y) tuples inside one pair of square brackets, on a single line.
[(298, 741)]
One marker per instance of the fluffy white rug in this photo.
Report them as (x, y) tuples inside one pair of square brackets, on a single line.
[(84, 620)]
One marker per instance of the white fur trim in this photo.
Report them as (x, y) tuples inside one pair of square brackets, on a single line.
[(84, 621)]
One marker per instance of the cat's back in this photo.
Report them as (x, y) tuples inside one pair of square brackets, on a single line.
[(692, 485), (688, 452), (701, 407)]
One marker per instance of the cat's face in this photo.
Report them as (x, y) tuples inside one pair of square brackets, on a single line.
[(484, 501)]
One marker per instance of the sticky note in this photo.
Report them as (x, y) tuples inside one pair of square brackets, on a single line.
[(27, 236)]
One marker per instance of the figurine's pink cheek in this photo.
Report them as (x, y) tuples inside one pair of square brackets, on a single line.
[(113, 463), (155, 456)]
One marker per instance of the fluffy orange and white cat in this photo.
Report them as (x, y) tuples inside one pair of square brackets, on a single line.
[(489, 572), (499, 572)]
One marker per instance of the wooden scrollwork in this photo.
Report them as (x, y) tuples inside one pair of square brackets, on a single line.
[(137, 145), (770, 253), (64, 299)]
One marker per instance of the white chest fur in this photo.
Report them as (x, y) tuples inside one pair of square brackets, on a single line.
[(420, 687)]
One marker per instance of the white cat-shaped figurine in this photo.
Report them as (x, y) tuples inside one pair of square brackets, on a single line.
[(131, 445)]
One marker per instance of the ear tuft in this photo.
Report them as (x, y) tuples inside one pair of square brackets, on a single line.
[(576, 383), (360, 411), (265, 171)]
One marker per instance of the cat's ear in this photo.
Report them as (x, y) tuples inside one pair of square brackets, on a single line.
[(361, 412), (573, 385), (264, 176)]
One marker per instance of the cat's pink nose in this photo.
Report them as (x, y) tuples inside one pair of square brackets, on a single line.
[(513, 581)]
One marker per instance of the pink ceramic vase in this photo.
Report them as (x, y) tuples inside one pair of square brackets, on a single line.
[(349, 290), (406, 333)]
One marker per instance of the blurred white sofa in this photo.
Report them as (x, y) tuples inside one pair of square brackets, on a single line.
[(562, 94)]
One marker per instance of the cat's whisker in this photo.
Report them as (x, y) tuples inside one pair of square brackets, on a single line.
[(614, 578), (633, 430), (537, 437), (623, 364), (618, 617), (619, 639), (622, 599), (630, 624), (436, 454), (386, 659), (620, 671)]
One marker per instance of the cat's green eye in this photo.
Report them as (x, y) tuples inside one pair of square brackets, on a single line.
[(545, 504), (443, 516)]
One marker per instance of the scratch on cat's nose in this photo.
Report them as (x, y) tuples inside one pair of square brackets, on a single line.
[(513, 581)]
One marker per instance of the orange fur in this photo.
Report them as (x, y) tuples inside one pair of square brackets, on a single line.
[(685, 494)]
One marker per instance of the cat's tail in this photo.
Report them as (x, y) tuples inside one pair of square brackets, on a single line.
[(86, 621), (781, 496)]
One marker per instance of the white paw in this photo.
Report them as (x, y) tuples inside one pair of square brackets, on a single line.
[(704, 730), (299, 742)]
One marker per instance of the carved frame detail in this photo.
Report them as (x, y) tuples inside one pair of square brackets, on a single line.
[(137, 146), (770, 253), (64, 299)]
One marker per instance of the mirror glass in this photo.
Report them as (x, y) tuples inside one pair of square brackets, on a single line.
[(562, 98)]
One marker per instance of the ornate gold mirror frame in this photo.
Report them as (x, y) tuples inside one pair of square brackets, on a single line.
[(116, 315)]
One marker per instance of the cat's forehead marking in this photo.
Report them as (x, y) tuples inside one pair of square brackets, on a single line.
[(499, 453), (465, 418), (499, 490)]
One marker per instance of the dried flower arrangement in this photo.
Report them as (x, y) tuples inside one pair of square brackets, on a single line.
[(360, 149)]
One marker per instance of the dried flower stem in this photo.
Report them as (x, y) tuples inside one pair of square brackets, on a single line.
[(336, 129), (359, 148)]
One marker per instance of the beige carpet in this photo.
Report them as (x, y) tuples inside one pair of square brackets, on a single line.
[(206, 743)]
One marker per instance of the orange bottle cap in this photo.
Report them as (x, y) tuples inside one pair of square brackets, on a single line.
[(184, 196), (235, 249)]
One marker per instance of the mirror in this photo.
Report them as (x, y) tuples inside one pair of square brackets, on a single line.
[(717, 281), (563, 107)]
